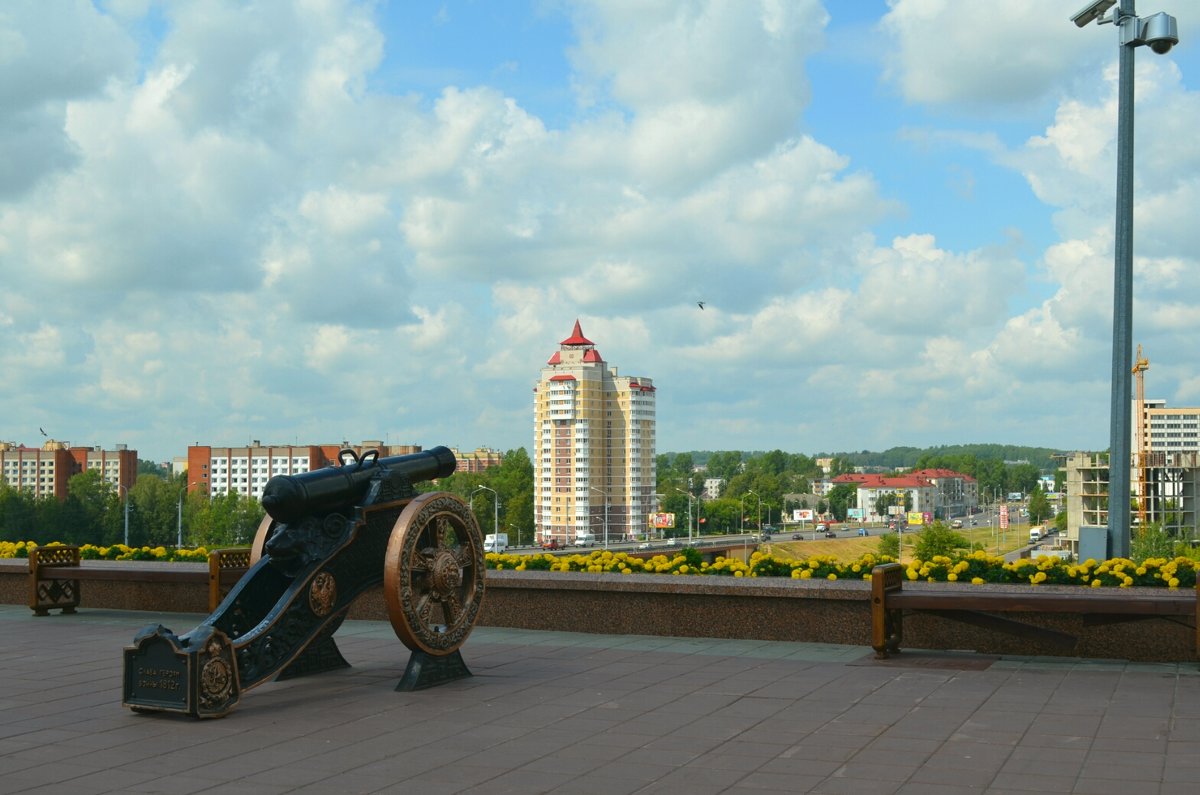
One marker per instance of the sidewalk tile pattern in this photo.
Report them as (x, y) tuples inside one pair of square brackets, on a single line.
[(579, 714)]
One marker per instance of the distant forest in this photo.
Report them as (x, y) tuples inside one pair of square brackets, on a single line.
[(1042, 458)]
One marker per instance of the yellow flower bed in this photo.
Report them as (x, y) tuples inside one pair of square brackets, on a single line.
[(20, 549), (975, 568)]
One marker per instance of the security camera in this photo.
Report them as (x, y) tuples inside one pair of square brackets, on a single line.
[(1160, 32), (1092, 11)]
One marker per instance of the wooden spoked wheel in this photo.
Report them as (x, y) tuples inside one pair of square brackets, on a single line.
[(433, 573), (265, 528)]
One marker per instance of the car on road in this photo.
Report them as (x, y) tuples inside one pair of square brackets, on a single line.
[(644, 545), (830, 534), (862, 531), (553, 544), (765, 537), (822, 527), (797, 537)]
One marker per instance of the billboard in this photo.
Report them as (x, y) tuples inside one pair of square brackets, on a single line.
[(662, 521), (854, 513), (802, 515), (916, 517)]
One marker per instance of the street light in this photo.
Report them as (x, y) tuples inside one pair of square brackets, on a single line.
[(755, 493), (119, 487), (495, 507), (605, 493), (179, 521), (1160, 32)]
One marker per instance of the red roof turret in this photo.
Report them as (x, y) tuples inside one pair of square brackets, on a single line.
[(577, 337)]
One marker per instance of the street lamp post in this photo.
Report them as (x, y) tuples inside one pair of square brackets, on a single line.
[(179, 521), (119, 487), (757, 497), (495, 507), (605, 493), (1158, 31)]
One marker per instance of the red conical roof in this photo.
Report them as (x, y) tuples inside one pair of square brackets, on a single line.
[(577, 337)]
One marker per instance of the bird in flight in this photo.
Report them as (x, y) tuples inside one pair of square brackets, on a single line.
[(40, 429), (700, 304)]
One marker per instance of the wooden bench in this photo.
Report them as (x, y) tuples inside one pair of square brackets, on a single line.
[(53, 579), (978, 607), (55, 574), (225, 568)]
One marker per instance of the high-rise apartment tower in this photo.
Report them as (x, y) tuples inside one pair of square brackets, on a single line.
[(594, 448)]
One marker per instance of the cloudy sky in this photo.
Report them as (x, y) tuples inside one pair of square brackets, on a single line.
[(324, 220)]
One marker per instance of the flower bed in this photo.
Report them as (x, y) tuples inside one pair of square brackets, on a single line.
[(20, 549), (976, 568)]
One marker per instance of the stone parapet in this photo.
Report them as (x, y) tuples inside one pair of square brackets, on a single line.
[(814, 611)]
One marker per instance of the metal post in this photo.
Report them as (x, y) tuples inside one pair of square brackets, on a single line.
[(1122, 348), (495, 507), (119, 487), (179, 522)]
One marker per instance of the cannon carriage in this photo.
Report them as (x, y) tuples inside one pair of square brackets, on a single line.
[(329, 535)]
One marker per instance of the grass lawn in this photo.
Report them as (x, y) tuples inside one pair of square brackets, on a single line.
[(1015, 537)]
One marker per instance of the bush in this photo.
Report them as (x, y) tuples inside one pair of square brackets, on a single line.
[(938, 539)]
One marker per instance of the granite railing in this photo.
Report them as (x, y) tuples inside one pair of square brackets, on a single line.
[(815, 611)]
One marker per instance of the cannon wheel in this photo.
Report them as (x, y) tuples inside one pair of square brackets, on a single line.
[(433, 573), (265, 528)]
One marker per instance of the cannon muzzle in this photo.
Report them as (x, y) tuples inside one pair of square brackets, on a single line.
[(288, 498)]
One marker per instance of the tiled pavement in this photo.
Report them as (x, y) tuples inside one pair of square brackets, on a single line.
[(576, 713)]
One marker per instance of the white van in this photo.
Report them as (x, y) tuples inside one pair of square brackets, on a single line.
[(495, 542), (583, 539), (1035, 534)]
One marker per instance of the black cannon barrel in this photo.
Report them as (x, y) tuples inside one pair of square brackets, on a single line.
[(288, 498)]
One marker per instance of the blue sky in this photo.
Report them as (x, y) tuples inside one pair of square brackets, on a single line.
[(230, 221)]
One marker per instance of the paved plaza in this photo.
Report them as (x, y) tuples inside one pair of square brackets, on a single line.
[(552, 712)]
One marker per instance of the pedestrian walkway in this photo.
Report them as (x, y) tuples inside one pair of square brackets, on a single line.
[(556, 712)]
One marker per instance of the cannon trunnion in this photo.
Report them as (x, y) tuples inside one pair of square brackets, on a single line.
[(329, 535)]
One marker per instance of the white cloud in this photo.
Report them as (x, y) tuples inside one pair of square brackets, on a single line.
[(254, 235), (978, 53)]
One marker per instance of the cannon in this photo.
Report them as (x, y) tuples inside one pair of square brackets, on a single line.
[(329, 535)]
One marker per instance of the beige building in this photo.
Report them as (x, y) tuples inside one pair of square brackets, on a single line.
[(594, 443)]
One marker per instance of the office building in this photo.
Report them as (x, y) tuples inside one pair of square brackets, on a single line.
[(594, 444)]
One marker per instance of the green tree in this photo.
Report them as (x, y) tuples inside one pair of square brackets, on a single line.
[(17, 514), (938, 539), (1039, 505), (842, 497), (885, 501), (86, 506), (725, 465), (889, 545)]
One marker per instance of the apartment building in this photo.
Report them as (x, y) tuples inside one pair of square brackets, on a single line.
[(594, 445), (217, 471), (47, 470), (943, 493), (478, 460)]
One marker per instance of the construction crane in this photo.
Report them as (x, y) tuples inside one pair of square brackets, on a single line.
[(1140, 366)]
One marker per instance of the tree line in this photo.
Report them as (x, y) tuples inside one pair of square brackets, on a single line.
[(759, 488), (157, 510)]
